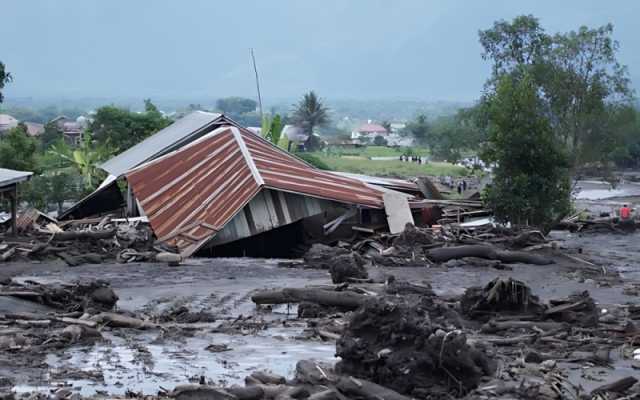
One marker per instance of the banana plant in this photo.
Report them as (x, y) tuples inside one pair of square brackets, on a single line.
[(85, 158), (272, 128)]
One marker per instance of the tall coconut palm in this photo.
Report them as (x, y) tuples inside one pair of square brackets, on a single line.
[(310, 113)]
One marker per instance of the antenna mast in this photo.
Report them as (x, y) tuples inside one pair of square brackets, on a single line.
[(255, 69)]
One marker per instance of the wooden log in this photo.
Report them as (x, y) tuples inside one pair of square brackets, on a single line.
[(195, 392), (83, 235), (75, 321), (497, 326), (44, 322), (25, 316), (23, 294), (268, 377), (121, 321), (522, 257), (5, 256), (565, 307), (247, 392), (527, 339), (329, 394), (74, 261), (312, 373), (619, 386), (444, 254), (346, 300), (362, 389)]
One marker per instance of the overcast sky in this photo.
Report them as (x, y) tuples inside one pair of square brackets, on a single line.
[(361, 49)]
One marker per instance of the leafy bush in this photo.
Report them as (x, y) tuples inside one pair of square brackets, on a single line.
[(313, 160)]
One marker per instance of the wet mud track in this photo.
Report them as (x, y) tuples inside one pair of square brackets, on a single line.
[(146, 361)]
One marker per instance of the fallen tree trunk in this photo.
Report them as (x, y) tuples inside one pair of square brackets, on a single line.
[(495, 326), (527, 339), (619, 386), (363, 389), (444, 254), (346, 300), (121, 321), (91, 235), (75, 321), (74, 261)]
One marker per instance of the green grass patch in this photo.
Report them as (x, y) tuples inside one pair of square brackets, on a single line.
[(376, 151), (389, 168)]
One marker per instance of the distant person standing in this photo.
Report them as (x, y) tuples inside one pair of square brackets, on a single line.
[(459, 187), (625, 213), (464, 185)]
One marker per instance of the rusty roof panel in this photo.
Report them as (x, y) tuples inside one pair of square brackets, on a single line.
[(190, 194), (281, 170), (193, 192)]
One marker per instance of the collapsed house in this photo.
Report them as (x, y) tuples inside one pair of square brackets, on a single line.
[(9, 180), (205, 182)]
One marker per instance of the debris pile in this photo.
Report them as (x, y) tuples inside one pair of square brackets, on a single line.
[(85, 241), (90, 296), (607, 224), (418, 246), (500, 296), (395, 343)]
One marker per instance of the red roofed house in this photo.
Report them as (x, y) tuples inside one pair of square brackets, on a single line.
[(369, 131)]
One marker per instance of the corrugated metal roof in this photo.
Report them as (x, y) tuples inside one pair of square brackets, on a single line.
[(190, 194), (11, 176), (180, 132), (391, 183), (281, 170)]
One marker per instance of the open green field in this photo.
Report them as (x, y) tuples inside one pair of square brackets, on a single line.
[(377, 151), (394, 168)]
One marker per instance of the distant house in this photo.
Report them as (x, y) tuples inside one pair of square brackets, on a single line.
[(60, 120), (7, 122), (71, 129), (369, 131), (396, 127), (72, 132), (34, 129)]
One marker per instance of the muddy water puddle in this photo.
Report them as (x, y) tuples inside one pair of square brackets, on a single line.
[(139, 364)]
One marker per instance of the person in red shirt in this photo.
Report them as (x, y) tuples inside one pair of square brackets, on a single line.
[(625, 212)]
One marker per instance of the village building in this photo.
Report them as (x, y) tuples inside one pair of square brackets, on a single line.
[(34, 129), (369, 131), (7, 122)]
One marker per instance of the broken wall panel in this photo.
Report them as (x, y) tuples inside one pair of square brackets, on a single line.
[(263, 214), (105, 199)]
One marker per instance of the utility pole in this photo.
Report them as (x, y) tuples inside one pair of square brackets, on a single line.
[(255, 69)]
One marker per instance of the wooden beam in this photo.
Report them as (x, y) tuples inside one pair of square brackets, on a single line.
[(14, 214)]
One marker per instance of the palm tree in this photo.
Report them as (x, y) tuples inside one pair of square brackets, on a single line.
[(310, 113)]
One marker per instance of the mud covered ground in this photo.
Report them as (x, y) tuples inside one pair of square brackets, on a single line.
[(150, 360), (242, 338)]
